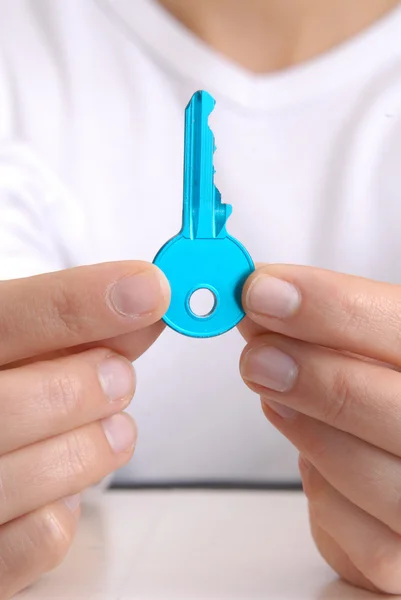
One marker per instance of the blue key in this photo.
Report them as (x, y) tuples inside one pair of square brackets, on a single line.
[(203, 255)]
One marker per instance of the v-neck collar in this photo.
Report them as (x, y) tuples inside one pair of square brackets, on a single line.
[(179, 50)]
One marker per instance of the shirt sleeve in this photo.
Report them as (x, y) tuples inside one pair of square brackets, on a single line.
[(35, 215), (40, 220)]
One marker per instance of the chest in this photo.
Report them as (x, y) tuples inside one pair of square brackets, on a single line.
[(315, 184)]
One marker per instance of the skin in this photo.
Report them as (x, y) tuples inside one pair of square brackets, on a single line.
[(62, 429), (264, 36)]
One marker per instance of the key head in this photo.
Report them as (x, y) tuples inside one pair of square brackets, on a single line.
[(219, 265)]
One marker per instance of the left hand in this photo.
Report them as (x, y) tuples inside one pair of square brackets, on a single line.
[(324, 353)]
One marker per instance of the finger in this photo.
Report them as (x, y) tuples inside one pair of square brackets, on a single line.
[(40, 474), (372, 547), (35, 544), (249, 329), (326, 308), (46, 399), (131, 345), (338, 560), (359, 397), (46, 313), (367, 476)]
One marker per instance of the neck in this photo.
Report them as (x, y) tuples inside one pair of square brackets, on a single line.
[(270, 35)]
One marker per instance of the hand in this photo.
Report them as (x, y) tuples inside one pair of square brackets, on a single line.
[(64, 343), (324, 352)]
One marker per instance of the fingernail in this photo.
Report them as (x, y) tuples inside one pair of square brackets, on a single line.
[(272, 297), (72, 502), (120, 432), (140, 294), (116, 377), (271, 368), (285, 412)]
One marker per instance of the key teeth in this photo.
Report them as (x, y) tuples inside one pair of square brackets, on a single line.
[(221, 214), (228, 209)]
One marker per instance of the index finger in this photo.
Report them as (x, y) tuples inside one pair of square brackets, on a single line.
[(330, 309), (69, 308)]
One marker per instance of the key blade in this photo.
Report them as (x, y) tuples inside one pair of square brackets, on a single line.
[(204, 215)]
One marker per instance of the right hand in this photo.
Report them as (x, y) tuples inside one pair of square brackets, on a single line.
[(66, 342)]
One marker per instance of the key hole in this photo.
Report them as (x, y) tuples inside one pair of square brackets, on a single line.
[(202, 302)]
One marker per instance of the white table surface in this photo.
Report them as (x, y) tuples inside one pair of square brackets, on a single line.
[(194, 545)]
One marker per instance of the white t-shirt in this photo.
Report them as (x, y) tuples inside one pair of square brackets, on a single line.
[(92, 98)]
